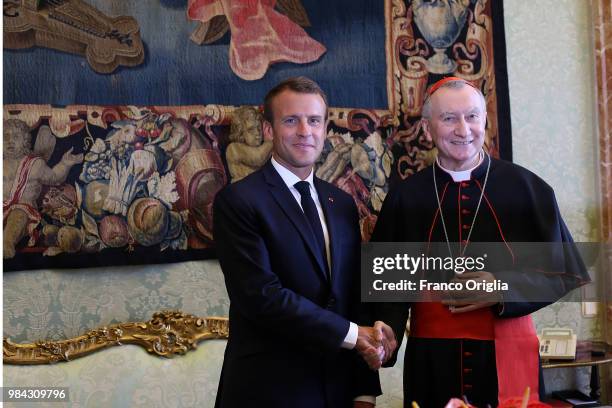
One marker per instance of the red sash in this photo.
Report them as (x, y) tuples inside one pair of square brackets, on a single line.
[(516, 337), (513, 337), (435, 321)]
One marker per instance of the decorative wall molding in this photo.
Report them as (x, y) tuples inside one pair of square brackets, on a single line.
[(602, 24), (602, 33), (168, 334)]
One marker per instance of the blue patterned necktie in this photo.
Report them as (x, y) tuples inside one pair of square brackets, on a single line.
[(312, 215)]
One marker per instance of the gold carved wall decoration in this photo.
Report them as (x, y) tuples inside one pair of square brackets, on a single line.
[(168, 334)]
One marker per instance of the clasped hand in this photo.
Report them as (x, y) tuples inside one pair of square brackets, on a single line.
[(466, 300), (376, 344)]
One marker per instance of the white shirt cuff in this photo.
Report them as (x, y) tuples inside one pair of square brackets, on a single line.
[(366, 398), (349, 343), (351, 337)]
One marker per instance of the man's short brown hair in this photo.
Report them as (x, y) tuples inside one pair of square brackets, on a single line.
[(296, 84)]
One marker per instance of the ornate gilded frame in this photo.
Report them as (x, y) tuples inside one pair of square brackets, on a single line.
[(168, 334)]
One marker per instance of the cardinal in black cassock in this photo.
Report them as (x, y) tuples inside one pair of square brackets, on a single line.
[(483, 346)]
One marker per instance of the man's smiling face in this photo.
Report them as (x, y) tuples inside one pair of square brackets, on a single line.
[(457, 126), (297, 130)]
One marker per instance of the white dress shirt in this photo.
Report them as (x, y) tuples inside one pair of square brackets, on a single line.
[(290, 179), (350, 340)]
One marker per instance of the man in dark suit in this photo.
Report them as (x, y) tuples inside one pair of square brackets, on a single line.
[(288, 245)]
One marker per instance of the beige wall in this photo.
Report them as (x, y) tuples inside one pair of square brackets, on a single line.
[(551, 80), (550, 69)]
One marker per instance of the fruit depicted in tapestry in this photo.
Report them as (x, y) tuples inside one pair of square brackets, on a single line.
[(148, 180)]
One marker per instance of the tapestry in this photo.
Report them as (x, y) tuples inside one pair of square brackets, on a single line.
[(133, 182), (188, 58)]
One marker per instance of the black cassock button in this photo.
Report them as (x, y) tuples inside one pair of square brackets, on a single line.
[(331, 302)]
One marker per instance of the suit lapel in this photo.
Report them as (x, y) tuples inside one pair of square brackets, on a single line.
[(285, 200), (326, 197)]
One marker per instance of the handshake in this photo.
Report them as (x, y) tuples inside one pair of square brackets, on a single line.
[(376, 344)]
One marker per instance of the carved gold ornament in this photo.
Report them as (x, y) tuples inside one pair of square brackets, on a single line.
[(167, 334)]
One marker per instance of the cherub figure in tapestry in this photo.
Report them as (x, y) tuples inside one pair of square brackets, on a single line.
[(260, 35), (361, 167), (248, 151), (26, 172)]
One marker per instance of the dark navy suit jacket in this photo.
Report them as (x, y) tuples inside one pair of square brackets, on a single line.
[(287, 320)]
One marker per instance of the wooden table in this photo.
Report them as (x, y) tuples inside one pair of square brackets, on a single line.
[(586, 360)]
